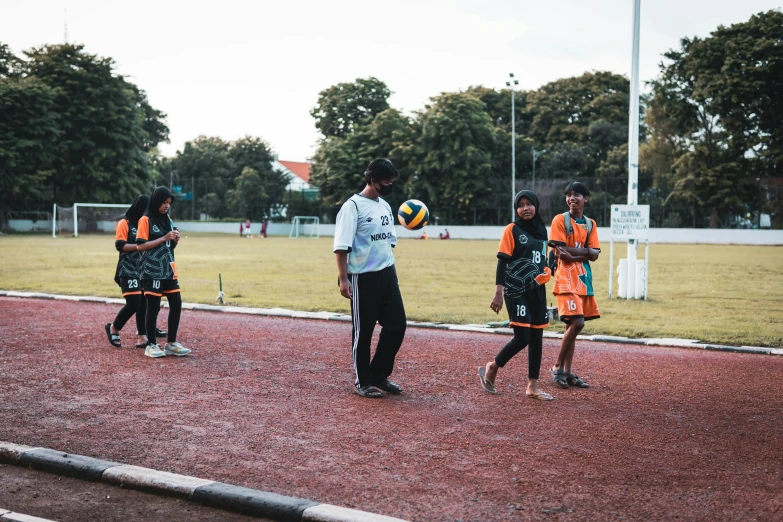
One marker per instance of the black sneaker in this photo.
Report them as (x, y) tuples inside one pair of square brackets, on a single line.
[(370, 392), (160, 333), (389, 387)]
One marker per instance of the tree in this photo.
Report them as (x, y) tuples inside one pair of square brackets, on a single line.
[(106, 126), (206, 161), (588, 111), (740, 71), (28, 136), (720, 97), (248, 199), (343, 107), (340, 161), (9, 62), (455, 162), (255, 153)]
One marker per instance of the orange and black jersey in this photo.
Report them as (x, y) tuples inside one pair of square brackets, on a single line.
[(157, 262), (577, 277), (525, 259), (128, 263)]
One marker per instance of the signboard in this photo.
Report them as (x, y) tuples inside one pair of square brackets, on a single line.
[(630, 221), (176, 189)]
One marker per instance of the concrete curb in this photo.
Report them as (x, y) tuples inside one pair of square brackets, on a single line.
[(228, 497), (252, 502), (78, 466), (18, 517), (331, 316), (153, 481)]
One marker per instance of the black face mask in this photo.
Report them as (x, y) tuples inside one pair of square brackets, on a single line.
[(385, 190)]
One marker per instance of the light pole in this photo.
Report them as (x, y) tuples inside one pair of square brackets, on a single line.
[(535, 157), (511, 83)]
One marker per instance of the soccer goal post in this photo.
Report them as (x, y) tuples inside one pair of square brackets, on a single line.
[(305, 226), (87, 217)]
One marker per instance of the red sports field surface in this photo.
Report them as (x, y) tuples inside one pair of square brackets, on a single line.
[(266, 403)]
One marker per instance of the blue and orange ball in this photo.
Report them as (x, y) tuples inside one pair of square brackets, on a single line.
[(413, 214)]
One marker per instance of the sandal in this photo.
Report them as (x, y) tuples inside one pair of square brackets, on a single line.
[(114, 338), (540, 395), (574, 380), (559, 377), (488, 385), (389, 386), (370, 392)]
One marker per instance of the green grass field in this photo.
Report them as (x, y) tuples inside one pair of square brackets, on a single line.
[(720, 294)]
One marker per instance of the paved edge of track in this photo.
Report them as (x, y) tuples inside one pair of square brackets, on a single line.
[(332, 316), (19, 517), (246, 501)]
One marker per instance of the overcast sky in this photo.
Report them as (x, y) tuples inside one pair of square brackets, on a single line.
[(231, 68)]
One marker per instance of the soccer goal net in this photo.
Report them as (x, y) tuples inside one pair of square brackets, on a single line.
[(304, 226), (85, 218)]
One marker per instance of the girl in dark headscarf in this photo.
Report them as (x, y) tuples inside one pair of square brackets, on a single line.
[(157, 238), (519, 279), (127, 275)]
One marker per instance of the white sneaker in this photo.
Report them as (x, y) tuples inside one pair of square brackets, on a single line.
[(153, 350), (175, 348)]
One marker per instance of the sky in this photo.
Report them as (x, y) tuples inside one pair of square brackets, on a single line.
[(234, 68)]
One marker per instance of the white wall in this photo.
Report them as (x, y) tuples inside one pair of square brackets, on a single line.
[(657, 235), (709, 236)]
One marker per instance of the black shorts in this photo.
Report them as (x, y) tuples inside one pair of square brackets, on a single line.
[(130, 286), (160, 287), (529, 309)]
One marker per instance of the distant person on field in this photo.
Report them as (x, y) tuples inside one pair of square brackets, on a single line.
[(248, 231), (423, 236), (576, 244), (363, 240), (263, 227), (519, 280), (241, 229), (127, 275), (156, 239), (445, 235)]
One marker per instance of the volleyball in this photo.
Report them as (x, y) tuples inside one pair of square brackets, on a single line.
[(413, 214)]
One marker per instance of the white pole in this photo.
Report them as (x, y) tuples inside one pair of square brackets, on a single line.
[(647, 267), (611, 265), (75, 220), (54, 220), (513, 157), (622, 279), (633, 140)]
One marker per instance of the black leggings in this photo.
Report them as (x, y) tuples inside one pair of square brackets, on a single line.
[(175, 310), (134, 304), (522, 337)]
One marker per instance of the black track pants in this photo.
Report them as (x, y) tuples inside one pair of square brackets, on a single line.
[(522, 337), (376, 298), (153, 308), (134, 304)]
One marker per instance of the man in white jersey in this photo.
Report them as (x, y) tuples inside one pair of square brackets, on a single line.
[(363, 240)]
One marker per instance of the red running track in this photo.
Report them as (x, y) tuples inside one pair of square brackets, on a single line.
[(266, 403)]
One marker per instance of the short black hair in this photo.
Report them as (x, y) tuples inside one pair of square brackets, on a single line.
[(380, 169), (578, 187)]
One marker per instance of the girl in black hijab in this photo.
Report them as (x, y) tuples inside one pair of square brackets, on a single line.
[(127, 275), (157, 238), (519, 279)]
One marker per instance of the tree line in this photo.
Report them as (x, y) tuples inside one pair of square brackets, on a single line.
[(711, 135), (72, 129)]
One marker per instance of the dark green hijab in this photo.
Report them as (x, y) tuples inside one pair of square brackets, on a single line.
[(533, 227)]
